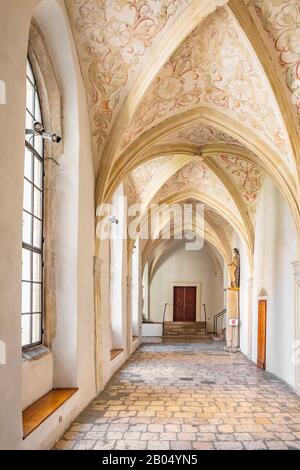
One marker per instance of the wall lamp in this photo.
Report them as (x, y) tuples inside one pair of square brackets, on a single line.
[(113, 219), (38, 130)]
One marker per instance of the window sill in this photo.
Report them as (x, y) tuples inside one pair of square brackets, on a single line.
[(35, 353), (114, 353), (36, 414)]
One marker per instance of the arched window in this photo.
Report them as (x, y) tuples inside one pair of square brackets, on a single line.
[(33, 201)]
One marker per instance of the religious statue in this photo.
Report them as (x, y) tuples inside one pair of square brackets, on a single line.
[(234, 269)]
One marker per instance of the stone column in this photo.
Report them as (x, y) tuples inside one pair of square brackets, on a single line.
[(232, 332), (98, 332), (296, 346), (129, 314), (250, 306)]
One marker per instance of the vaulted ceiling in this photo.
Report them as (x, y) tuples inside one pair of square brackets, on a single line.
[(193, 99)]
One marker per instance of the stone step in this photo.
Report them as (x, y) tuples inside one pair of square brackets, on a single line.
[(184, 330)]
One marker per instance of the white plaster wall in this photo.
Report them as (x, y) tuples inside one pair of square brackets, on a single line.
[(73, 346), (136, 290), (14, 28), (37, 379), (275, 250), (145, 291), (181, 266), (244, 276), (118, 271), (114, 295)]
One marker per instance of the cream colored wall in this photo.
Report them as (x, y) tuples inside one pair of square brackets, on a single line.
[(118, 272), (145, 291), (243, 294), (187, 267), (114, 294), (14, 27), (73, 350), (33, 388), (275, 250)]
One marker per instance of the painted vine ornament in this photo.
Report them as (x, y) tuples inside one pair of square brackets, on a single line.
[(215, 67), (115, 36), (281, 20), (200, 134), (249, 176)]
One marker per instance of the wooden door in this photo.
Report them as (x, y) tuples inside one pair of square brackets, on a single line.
[(190, 304), (262, 327), (178, 303), (185, 304)]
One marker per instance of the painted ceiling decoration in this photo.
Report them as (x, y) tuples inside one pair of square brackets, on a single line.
[(221, 225), (143, 177), (149, 183), (248, 176), (281, 20), (213, 81), (113, 38), (138, 181), (196, 175), (200, 134), (215, 67)]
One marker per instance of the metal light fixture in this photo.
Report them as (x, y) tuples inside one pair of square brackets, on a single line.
[(38, 130), (113, 219)]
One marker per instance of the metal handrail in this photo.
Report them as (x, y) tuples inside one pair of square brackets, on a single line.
[(205, 318), (216, 318), (164, 317)]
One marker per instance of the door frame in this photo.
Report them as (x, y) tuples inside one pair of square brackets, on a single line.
[(264, 300), (198, 286)]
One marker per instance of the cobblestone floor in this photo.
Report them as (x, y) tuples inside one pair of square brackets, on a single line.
[(189, 396)]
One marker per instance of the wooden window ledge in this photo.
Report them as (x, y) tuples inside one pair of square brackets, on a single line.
[(39, 411), (115, 352)]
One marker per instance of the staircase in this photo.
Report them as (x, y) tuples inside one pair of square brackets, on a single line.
[(184, 330)]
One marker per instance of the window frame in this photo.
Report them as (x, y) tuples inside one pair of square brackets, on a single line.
[(32, 248)]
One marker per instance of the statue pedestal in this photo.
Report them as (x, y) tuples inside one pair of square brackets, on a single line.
[(233, 326)]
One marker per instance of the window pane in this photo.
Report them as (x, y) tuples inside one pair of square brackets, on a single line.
[(27, 228), (39, 145), (37, 233), (38, 173), (25, 325), (38, 203), (26, 265), (26, 294), (30, 97), (29, 72), (37, 267), (32, 270), (36, 298), (29, 125), (28, 164), (36, 328), (27, 197), (37, 111)]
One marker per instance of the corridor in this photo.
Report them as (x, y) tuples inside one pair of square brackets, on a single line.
[(189, 396)]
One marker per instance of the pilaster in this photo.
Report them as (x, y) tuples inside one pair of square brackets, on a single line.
[(233, 320)]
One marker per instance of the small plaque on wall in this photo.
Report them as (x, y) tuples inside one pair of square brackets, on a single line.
[(233, 322)]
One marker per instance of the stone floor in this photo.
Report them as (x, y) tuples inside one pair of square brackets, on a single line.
[(189, 396)]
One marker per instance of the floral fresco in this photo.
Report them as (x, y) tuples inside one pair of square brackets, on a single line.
[(200, 134), (112, 36), (214, 67), (281, 20), (197, 176), (248, 176)]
